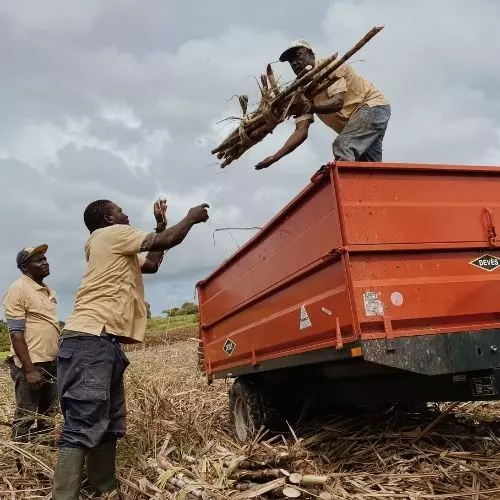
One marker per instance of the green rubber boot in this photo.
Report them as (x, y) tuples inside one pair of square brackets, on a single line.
[(101, 467), (68, 474)]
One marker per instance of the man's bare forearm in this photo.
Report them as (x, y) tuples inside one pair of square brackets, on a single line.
[(172, 236), (294, 141), (21, 350), (152, 263), (333, 105)]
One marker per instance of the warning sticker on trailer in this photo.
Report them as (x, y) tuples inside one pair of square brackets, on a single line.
[(373, 304), (229, 347), (483, 386), (486, 262), (305, 322)]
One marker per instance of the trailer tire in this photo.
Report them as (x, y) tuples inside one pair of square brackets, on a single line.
[(250, 408)]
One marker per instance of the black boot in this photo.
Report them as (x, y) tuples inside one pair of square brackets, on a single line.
[(101, 467), (68, 474)]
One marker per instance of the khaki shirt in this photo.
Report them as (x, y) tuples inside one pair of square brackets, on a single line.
[(358, 92), (32, 308), (111, 295)]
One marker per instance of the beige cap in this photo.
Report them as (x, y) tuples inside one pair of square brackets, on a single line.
[(293, 46), (28, 252)]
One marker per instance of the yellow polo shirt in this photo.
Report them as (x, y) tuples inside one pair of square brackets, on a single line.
[(32, 308), (358, 92), (111, 295)]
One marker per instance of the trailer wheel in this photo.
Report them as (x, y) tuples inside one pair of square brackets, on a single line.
[(249, 409)]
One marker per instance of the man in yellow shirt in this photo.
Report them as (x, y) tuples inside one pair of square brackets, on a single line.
[(30, 309), (109, 310), (351, 106)]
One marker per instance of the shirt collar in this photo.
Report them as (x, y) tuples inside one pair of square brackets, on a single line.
[(34, 284)]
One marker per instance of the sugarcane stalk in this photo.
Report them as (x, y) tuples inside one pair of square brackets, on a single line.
[(196, 491), (307, 479), (256, 475), (260, 489), (291, 492), (272, 80), (226, 141), (374, 31), (299, 82), (273, 493), (283, 458)]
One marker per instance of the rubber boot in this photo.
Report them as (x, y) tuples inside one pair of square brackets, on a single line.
[(101, 467), (68, 474)]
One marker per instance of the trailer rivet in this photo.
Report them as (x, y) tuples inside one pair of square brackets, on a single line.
[(493, 348)]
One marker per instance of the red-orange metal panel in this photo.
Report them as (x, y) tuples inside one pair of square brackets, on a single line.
[(365, 251), (417, 206)]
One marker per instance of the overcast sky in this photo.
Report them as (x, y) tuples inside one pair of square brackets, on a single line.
[(120, 99)]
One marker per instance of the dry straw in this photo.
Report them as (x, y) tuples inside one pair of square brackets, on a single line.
[(179, 446)]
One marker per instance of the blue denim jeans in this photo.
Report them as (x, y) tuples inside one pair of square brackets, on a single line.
[(361, 139), (91, 391)]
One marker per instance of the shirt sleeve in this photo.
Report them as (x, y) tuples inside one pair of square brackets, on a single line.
[(126, 240), (142, 259), (337, 87), (304, 118), (14, 304)]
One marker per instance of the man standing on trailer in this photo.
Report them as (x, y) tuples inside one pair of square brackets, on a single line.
[(30, 308), (109, 310), (352, 106)]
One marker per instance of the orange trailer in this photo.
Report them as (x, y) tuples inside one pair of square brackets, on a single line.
[(378, 282)]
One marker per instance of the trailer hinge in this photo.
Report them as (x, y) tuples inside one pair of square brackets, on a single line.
[(390, 344), (338, 335), (490, 226)]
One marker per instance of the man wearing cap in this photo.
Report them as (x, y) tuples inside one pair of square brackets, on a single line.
[(352, 106), (109, 311), (30, 310)]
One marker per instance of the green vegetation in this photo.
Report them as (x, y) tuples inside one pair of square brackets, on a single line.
[(188, 308), (169, 324), (4, 337)]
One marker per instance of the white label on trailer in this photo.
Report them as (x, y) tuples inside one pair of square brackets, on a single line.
[(373, 305), (397, 299), (305, 322), (326, 311)]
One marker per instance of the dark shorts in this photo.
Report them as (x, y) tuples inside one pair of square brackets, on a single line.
[(362, 137), (90, 385)]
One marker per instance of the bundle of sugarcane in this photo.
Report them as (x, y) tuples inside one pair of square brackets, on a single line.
[(277, 104)]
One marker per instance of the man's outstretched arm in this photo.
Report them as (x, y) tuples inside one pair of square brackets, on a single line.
[(174, 235), (153, 260), (294, 141)]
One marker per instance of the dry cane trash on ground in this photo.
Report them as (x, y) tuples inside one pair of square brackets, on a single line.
[(277, 104), (178, 446)]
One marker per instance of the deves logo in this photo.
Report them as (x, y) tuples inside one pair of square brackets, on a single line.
[(486, 262)]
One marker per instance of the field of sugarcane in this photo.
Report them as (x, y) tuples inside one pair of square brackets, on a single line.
[(179, 445)]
